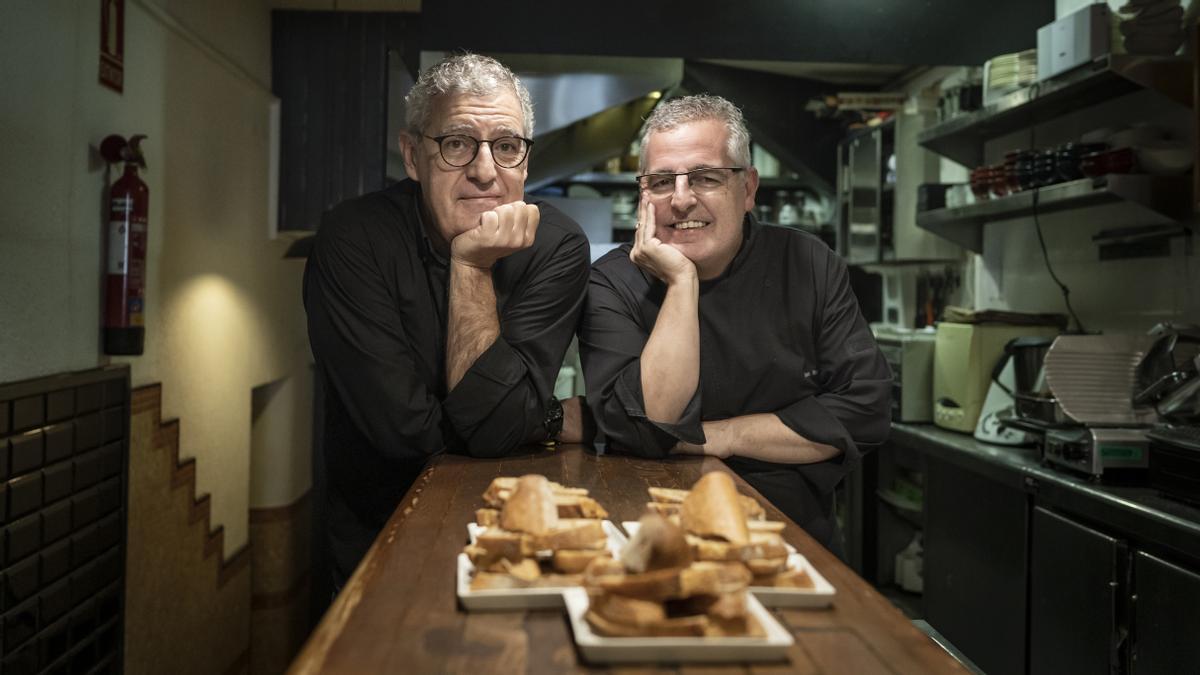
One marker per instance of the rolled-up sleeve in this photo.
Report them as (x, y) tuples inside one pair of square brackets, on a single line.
[(851, 411), (500, 403), (611, 340), (358, 340)]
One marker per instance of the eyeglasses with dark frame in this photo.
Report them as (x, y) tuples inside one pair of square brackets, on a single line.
[(459, 150), (701, 181)]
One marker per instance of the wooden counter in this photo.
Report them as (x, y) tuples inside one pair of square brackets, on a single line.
[(399, 612)]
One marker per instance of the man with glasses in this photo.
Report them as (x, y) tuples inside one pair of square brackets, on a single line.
[(439, 309), (716, 334)]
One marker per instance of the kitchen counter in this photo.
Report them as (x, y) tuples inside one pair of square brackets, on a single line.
[(1140, 513), (398, 612)]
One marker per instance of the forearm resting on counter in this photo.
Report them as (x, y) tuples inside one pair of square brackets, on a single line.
[(761, 436)]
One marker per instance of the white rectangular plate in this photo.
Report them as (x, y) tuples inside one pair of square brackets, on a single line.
[(820, 595), (599, 649), (517, 598)]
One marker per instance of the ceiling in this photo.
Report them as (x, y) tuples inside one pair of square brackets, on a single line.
[(847, 74)]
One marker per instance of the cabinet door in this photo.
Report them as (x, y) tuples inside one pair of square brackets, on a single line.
[(1166, 617), (1076, 577), (976, 543)]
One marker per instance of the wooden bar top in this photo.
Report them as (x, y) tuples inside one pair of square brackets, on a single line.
[(399, 611)]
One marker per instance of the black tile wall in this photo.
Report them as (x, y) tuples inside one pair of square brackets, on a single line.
[(60, 405), (60, 441), (56, 482), (87, 432), (28, 413), (26, 452), (63, 449)]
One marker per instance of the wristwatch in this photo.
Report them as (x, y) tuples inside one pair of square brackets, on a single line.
[(554, 419)]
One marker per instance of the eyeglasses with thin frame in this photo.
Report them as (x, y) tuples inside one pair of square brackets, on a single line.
[(460, 150), (701, 181)]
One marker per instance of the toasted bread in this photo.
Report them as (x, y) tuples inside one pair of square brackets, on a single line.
[(713, 578), (666, 501), (574, 561), (576, 533), (763, 566), (487, 517), (788, 578), (657, 544), (531, 507), (759, 546), (502, 487), (625, 610), (578, 506), (686, 626), (712, 510)]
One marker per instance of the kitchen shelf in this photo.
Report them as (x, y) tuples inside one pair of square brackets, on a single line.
[(628, 180), (1165, 197), (961, 138)]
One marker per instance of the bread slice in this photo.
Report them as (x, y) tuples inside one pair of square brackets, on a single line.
[(687, 626), (759, 546), (531, 507), (788, 578), (713, 578), (625, 610), (574, 561), (712, 510), (764, 566), (658, 585), (667, 500), (576, 533), (487, 517), (578, 506), (502, 487)]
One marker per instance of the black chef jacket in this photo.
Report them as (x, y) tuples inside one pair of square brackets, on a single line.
[(780, 332), (375, 292)]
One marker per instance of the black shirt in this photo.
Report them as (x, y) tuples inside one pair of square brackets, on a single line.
[(375, 292), (780, 332)]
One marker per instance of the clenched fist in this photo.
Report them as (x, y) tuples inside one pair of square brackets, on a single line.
[(504, 230)]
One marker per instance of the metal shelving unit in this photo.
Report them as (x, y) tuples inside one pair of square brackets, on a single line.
[(961, 139), (1164, 198)]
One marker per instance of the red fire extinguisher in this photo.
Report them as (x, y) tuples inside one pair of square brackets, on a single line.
[(125, 274)]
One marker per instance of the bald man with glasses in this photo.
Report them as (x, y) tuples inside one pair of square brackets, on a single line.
[(439, 309), (716, 334)]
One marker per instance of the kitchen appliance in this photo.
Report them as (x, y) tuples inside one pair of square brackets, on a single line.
[(1078, 38), (998, 405), (965, 355), (909, 353), (1093, 425), (1094, 450), (1168, 376)]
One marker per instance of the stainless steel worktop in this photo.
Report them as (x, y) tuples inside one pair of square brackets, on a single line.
[(1134, 511)]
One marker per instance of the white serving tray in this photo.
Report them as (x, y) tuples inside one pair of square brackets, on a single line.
[(598, 649), (820, 595), (517, 598)]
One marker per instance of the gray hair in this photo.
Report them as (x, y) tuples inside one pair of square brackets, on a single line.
[(467, 73), (699, 108)]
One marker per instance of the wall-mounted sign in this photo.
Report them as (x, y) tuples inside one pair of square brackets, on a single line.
[(112, 44)]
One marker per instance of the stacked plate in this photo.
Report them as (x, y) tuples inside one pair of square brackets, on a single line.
[(1008, 72)]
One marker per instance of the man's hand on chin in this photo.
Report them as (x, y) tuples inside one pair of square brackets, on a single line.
[(504, 230)]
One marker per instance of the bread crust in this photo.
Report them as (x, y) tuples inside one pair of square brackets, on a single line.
[(712, 510)]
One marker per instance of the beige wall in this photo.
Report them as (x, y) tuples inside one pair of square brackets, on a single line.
[(223, 307)]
